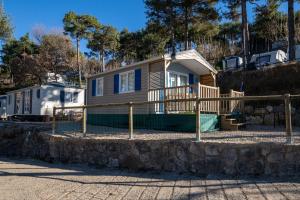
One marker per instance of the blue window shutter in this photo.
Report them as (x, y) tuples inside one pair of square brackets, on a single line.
[(62, 96), (116, 83), (191, 79), (138, 79), (94, 87)]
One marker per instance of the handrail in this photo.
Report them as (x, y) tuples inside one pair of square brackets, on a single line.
[(175, 87), (244, 98)]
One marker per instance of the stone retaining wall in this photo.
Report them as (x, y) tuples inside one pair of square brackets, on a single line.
[(164, 155)]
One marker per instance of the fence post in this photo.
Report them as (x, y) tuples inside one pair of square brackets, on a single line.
[(231, 103), (218, 102), (53, 120), (84, 121), (198, 121), (130, 122), (288, 118)]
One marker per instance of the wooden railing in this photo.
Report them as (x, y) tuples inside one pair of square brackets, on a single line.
[(229, 106), (184, 92)]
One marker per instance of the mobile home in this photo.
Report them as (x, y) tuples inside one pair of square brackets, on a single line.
[(232, 63), (3, 104), (186, 75), (268, 58), (40, 100)]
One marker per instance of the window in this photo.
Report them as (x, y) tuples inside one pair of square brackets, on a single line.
[(99, 86), (75, 97), (68, 97), (126, 82), (177, 79), (27, 102), (38, 93), (9, 99), (0, 103)]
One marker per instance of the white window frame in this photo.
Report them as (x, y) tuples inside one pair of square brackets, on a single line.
[(127, 82), (178, 76), (98, 94)]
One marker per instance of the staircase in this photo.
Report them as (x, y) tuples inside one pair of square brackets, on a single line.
[(231, 122)]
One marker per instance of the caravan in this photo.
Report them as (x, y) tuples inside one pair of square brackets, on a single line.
[(40, 100), (232, 63), (268, 58)]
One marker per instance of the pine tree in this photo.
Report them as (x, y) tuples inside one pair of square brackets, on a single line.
[(79, 27)]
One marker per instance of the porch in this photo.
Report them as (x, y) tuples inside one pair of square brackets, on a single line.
[(186, 103)]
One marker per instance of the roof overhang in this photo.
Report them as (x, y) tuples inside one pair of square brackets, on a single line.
[(193, 61)]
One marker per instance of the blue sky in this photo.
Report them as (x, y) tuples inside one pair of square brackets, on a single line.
[(26, 14)]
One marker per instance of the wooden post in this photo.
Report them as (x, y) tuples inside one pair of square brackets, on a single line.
[(53, 121), (218, 102), (231, 103), (198, 122), (288, 118), (130, 122), (84, 121), (198, 111)]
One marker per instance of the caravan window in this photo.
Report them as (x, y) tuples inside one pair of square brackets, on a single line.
[(38, 93), (99, 86), (27, 102), (263, 59), (75, 97), (68, 97), (126, 83)]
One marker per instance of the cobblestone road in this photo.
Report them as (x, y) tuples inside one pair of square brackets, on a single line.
[(29, 179)]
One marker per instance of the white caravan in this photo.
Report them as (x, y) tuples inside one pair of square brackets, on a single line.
[(268, 58), (40, 100)]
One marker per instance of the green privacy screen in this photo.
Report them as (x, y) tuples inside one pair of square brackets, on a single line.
[(165, 122)]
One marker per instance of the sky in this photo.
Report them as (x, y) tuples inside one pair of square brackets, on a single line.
[(27, 14)]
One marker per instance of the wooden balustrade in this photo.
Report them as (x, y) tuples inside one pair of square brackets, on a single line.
[(229, 106), (184, 92)]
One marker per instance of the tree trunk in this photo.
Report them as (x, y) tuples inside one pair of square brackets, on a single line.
[(291, 29), (103, 61), (77, 60), (245, 33), (186, 30)]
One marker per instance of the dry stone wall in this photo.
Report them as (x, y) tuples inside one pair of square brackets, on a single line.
[(164, 155)]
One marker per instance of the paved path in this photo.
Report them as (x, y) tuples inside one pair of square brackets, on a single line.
[(28, 179)]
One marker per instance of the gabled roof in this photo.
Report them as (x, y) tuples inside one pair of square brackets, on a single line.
[(190, 58)]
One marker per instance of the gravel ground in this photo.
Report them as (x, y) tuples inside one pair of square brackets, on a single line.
[(252, 134), (30, 179)]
